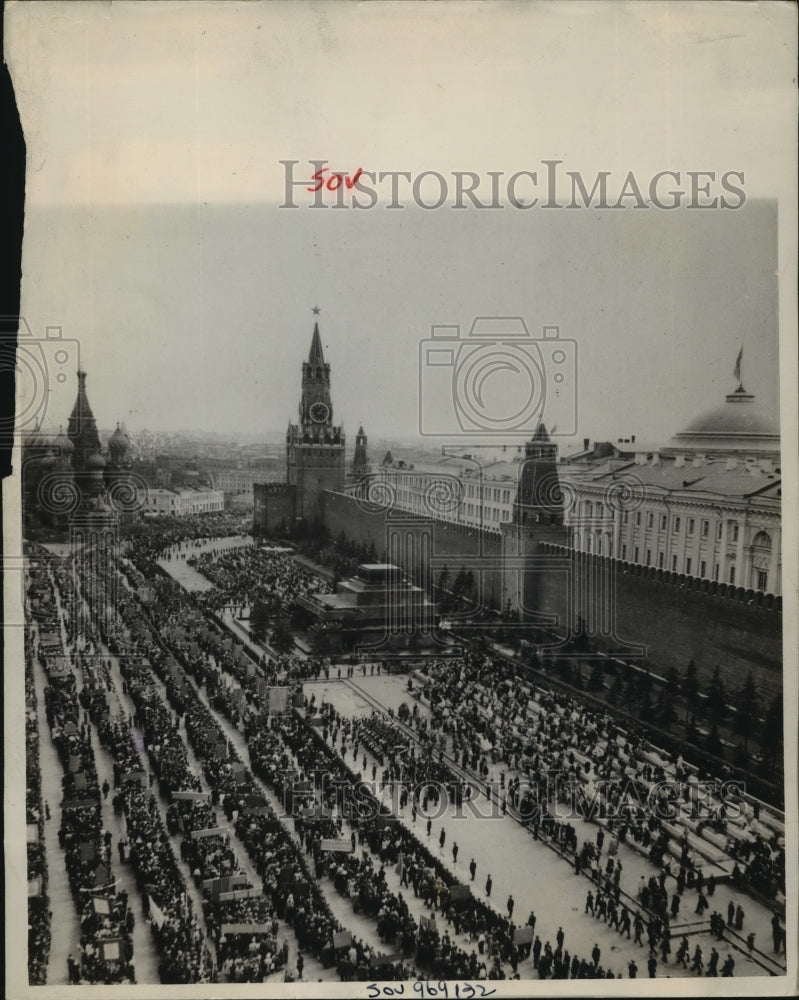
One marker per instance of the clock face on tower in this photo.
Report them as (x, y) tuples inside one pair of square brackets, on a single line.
[(319, 412)]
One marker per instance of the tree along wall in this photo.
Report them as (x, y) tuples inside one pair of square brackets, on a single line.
[(625, 608), (675, 618), (273, 507)]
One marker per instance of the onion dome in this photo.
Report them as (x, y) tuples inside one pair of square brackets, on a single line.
[(54, 444), (118, 443), (95, 461), (64, 445)]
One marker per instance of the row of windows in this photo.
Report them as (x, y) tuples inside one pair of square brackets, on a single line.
[(418, 486), (408, 498), (494, 493), (489, 513), (196, 509), (676, 524), (761, 539), (762, 575), (472, 510), (192, 508)]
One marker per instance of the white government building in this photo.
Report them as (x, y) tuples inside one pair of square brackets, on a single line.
[(706, 505), (180, 502)]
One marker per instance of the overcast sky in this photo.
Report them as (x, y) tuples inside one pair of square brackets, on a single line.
[(154, 236)]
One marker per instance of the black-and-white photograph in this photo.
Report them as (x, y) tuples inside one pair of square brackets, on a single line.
[(398, 598)]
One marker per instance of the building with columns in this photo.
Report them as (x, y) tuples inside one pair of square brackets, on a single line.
[(463, 489), (705, 505), (181, 502)]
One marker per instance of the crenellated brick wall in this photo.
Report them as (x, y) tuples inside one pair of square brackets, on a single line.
[(676, 618), (626, 608)]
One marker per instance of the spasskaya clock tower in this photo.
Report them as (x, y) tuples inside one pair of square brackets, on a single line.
[(316, 410), (314, 446)]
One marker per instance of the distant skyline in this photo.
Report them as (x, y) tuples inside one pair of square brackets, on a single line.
[(179, 328), (155, 135)]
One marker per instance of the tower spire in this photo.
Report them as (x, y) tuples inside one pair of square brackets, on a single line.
[(360, 461), (538, 498), (82, 427), (316, 357), (541, 436), (315, 446), (316, 410)]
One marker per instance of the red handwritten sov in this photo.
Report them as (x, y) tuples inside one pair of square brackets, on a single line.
[(335, 180)]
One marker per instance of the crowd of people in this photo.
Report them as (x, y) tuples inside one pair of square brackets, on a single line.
[(269, 761), (181, 667), (556, 744), (243, 576), (561, 750), (205, 847), (148, 542), (428, 877), (39, 915), (184, 956), (362, 879), (85, 842), (269, 756), (73, 716), (224, 772)]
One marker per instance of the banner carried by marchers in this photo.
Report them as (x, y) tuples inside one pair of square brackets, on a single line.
[(191, 796), (277, 700), (211, 831), (234, 894), (393, 959), (255, 930), (156, 913), (342, 845)]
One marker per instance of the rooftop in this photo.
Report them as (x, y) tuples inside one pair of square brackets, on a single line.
[(181, 491), (740, 422), (733, 477)]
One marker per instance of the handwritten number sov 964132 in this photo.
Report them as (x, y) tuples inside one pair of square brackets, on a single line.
[(424, 989)]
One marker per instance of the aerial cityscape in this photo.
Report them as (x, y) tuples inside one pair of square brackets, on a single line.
[(399, 587), (281, 706)]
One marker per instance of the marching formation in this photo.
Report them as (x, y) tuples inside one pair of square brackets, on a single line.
[(238, 824)]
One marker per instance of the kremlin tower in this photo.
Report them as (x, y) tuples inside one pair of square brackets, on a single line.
[(360, 461)]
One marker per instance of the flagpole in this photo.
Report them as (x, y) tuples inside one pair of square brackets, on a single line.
[(737, 371)]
